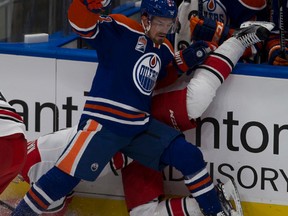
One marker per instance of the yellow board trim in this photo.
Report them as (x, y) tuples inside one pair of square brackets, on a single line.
[(86, 206), (262, 209)]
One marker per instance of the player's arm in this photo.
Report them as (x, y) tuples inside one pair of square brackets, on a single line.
[(83, 16), (275, 57), (192, 56)]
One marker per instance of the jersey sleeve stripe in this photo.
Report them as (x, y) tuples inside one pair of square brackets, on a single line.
[(10, 115)]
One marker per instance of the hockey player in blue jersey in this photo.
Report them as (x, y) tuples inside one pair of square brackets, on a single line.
[(116, 115)]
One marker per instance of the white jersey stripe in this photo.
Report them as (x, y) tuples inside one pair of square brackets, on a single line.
[(111, 102), (203, 191), (82, 29), (42, 193), (197, 176), (31, 205)]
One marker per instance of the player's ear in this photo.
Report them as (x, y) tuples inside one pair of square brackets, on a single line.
[(144, 19)]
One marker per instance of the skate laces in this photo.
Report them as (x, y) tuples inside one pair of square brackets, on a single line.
[(249, 39)]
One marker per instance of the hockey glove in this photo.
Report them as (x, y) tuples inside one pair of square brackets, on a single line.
[(192, 56), (208, 30), (281, 61), (275, 58), (96, 6)]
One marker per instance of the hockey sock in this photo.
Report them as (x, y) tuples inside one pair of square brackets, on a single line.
[(178, 206), (231, 50), (210, 75), (202, 189), (188, 159), (49, 188), (175, 206)]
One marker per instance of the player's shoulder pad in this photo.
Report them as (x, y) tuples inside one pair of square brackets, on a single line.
[(128, 22), (254, 4)]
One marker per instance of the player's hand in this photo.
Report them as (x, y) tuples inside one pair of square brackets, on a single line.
[(277, 58), (208, 30), (193, 55), (281, 61), (96, 6)]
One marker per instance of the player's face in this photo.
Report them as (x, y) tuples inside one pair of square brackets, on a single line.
[(159, 28)]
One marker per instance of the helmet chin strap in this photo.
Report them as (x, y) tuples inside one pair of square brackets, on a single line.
[(146, 29)]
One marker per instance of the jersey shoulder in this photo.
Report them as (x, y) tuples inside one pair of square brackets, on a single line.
[(127, 22), (168, 44)]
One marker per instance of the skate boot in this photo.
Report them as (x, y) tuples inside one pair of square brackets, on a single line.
[(252, 32), (229, 199)]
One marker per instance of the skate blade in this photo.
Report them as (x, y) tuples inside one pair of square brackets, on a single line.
[(231, 193)]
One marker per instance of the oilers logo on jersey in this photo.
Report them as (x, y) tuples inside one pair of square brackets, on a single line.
[(215, 10), (146, 71)]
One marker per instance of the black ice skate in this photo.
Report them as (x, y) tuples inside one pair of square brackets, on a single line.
[(252, 32), (229, 198)]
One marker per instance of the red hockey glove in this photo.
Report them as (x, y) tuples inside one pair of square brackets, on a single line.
[(192, 56), (208, 30), (96, 6)]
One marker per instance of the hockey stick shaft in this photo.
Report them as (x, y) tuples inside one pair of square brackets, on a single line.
[(200, 9), (281, 29)]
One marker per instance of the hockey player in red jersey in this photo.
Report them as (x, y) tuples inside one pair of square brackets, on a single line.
[(198, 92), (12, 143)]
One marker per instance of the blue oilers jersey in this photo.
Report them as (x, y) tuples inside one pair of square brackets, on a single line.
[(129, 66), (231, 12)]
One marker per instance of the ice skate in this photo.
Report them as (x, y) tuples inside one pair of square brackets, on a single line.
[(229, 198), (252, 32)]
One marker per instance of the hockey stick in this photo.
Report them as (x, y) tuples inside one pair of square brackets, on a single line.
[(5, 205), (281, 29), (200, 9)]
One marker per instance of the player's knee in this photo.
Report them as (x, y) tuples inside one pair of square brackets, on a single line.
[(185, 156)]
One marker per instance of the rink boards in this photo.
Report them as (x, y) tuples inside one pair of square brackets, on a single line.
[(243, 134)]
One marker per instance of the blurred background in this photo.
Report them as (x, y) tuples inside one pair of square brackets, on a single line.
[(20, 17)]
